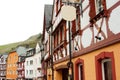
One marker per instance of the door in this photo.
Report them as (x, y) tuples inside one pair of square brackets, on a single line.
[(64, 74)]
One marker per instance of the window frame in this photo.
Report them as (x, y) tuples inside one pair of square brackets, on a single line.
[(80, 71), (31, 62), (97, 6), (103, 68), (77, 65), (98, 60)]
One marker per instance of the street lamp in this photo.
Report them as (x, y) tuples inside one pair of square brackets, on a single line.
[(64, 12), (69, 9)]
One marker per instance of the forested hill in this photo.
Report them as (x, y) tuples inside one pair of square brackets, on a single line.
[(31, 42)]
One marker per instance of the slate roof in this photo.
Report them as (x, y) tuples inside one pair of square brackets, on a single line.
[(21, 50), (48, 15)]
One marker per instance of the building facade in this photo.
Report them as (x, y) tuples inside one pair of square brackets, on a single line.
[(37, 61), (29, 64), (46, 40), (21, 67), (94, 37), (21, 50), (3, 66), (11, 71)]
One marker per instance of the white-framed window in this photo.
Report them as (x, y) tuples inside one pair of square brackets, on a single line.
[(31, 72), (80, 68), (27, 62), (11, 72), (106, 69), (27, 72), (31, 62), (99, 6)]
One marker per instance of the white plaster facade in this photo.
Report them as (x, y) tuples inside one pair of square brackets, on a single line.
[(33, 65), (29, 68)]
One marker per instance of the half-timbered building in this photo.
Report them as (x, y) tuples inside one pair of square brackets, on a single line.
[(95, 39), (46, 41)]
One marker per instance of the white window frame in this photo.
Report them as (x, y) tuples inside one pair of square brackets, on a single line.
[(31, 72), (102, 64), (79, 70), (31, 62)]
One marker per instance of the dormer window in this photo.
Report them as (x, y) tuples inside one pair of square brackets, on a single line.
[(99, 6)]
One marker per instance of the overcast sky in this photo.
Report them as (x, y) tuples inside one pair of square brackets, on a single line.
[(19, 19)]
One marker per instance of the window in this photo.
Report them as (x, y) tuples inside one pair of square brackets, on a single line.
[(99, 6), (31, 62), (16, 72), (11, 72), (105, 66), (27, 72), (63, 35), (106, 69), (31, 71), (55, 40), (27, 63), (79, 69), (2, 60), (59, 37)]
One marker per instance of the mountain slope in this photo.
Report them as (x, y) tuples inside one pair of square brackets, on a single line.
[(31, 42)]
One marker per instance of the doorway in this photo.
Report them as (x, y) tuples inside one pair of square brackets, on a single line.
[(65, 74)]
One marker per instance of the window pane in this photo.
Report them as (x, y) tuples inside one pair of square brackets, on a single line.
[(107, 69), (80, 72), (99, 5)]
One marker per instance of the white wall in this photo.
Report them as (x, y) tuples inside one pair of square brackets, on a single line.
[(37, 61), (114, 21), (29, 67)]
